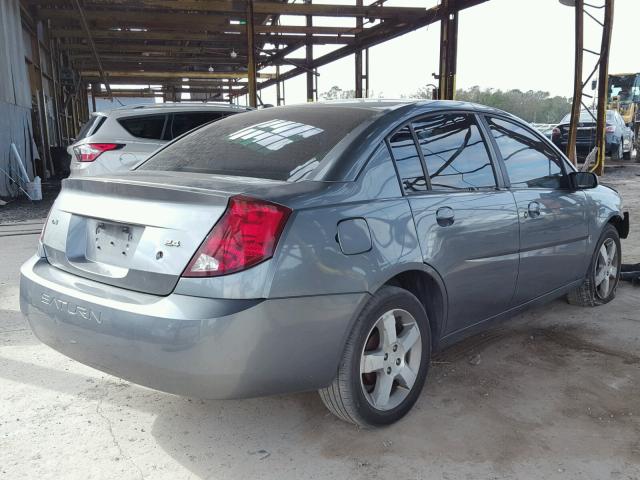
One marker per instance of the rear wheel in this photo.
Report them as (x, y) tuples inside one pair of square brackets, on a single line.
[(385, 362), (619, 151), (604, 272)]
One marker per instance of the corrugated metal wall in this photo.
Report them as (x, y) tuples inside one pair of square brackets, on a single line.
[(15, 99)]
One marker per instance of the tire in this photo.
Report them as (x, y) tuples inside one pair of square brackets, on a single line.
[(591, 293), (618, 153), (352, 394)]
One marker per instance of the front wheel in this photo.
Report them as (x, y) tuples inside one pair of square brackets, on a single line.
[(604, 272), (385, 361)]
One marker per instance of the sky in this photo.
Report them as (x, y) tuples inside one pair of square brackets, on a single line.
[(505, 44)]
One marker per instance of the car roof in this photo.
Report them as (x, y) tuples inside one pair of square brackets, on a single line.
[(159, 108)]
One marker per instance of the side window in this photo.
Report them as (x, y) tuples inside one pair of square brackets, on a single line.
[(455, 153), (183, 122), (530, 162), (146, 126), (408, 162)]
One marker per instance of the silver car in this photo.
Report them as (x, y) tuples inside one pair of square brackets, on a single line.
[(329, 247), (117, 140)]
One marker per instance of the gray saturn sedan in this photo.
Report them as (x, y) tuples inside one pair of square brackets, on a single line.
[(330, 247)]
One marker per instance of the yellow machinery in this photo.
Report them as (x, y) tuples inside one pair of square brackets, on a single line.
[(624, 96)]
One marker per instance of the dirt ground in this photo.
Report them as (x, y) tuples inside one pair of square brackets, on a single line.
[(552, 394)]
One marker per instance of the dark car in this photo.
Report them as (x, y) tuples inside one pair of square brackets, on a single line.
[(619, 138)]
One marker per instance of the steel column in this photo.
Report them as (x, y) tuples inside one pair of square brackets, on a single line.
[(309, 58), (577, 85), (252, 87), (358, 56), (448, 50), (603, 86)]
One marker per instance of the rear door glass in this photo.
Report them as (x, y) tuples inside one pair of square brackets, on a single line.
[(454, 152), (145, 126)]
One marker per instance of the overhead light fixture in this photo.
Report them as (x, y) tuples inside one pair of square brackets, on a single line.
[(233, 53), (568, 3)]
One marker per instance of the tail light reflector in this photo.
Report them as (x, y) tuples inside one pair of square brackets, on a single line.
[(88, 152), (611, 129), (245, 235)]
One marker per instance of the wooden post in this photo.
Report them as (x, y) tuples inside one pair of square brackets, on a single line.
[(577, 82), (95, 89), (252, 86), (603, 85)]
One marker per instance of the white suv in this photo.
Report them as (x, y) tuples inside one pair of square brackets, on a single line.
[(117, 140)]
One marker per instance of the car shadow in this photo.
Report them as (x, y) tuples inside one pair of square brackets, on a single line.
[(531, 377)]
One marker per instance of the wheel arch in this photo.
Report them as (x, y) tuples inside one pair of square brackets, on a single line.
[(428, 287), (621, 223)]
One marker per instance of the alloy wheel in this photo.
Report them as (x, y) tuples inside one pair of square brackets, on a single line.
[(606, 274), (390, 359)]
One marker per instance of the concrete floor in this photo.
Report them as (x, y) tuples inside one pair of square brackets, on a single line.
[(556, 394)]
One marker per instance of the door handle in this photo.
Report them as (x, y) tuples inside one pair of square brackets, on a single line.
[(445, 216), (534, 209)]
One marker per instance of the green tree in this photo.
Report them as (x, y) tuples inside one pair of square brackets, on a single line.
[(532, 106)]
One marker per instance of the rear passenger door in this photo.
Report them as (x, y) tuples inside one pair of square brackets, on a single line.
[(466, 224), (553, 226)]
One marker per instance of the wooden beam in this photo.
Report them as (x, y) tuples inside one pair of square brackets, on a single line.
[(171, 74), (87, 32), (374, 36), (231, 7), (150, 49), (218, 39), (110, 58), (179, 21)]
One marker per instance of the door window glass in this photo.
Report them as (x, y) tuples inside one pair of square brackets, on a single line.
[(455, 153), (146, 126), (530, 162), (408, 162), (183, 122)]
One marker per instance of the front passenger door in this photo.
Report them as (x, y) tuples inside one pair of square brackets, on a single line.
[(553, 226)]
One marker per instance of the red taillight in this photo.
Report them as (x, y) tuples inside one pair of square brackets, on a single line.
[(88, 152), (246, 234), (611, 129), (555, 132)]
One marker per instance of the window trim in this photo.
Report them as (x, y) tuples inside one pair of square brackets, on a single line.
[(387, 140), (563, 163), (495, 165)]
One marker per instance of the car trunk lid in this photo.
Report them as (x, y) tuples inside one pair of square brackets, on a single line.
[(137, 231)]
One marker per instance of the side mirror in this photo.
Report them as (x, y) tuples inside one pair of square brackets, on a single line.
[(583, 180)]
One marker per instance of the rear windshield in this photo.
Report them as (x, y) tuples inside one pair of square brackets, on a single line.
[(91, 127), (284, 143), (587, 117)]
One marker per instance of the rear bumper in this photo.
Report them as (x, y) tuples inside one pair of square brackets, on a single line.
[(586, 145), (192, 346)]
